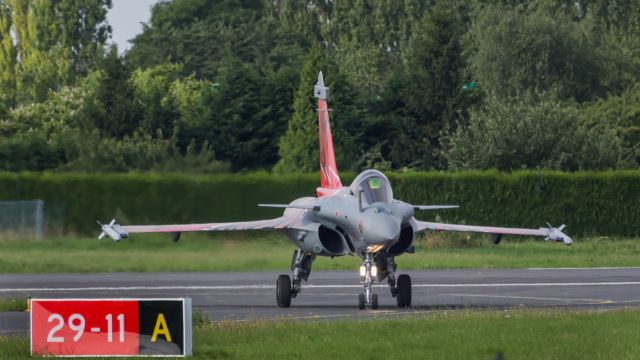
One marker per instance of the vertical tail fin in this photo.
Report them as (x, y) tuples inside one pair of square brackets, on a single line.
[(329, 178)]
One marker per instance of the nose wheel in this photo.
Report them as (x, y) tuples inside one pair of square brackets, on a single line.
[(362, 302)]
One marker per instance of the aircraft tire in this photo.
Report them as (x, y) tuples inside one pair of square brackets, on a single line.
[(374, 301), (404, 291), (283, 291), (361, 302)]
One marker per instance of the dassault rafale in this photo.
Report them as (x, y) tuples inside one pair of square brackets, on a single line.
[(361, 219)]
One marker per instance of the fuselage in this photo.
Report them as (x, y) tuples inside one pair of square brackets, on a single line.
[(362, 218)]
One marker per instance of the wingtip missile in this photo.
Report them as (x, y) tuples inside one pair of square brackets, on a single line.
[(112, 230), (320, 91), (557, 235)]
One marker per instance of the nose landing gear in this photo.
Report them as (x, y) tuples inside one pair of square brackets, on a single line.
[(400, 288), (368, 298)]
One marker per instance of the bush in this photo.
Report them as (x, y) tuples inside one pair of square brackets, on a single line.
[(621, 113), (532, 131)]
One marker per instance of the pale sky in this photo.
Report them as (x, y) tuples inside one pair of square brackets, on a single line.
[(126, 17)]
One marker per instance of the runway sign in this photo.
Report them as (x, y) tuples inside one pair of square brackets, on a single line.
[(111, 327)]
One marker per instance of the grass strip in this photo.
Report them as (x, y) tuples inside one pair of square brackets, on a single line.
[(268, 251), (472, 334), (19, 304)]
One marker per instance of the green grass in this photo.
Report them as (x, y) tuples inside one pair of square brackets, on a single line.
[(13, 304), (520, 334), (268, 251)]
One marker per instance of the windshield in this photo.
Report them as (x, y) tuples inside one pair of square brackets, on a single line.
[(375, 189)]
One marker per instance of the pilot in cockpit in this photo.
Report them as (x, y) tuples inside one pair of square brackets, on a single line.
[(376, 189)]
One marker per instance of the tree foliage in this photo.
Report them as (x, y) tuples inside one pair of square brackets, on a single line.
[(295, 153), (531, 131), (8, 58), (531, 49), (622, 114), (211, 85), (55, 42), (115, 110), (242, 131)]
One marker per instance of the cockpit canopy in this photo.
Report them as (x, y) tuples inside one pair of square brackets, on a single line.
[(375, 187)]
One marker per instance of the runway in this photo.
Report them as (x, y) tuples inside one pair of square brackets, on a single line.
[(249, 296)]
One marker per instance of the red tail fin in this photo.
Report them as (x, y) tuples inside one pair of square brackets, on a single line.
[(329, 178)]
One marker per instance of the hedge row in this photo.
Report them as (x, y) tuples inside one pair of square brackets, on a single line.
[(604, 203), (589, 203)]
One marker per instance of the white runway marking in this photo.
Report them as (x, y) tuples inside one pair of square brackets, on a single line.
[(307, 286), (606, 283), (595, 301), (370, 313), (589, 268), (629, 301)]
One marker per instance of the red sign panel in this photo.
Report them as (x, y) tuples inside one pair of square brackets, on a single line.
[(83, 327), (103, 327)]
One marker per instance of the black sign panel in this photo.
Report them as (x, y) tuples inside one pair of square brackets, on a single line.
[(161, 327)]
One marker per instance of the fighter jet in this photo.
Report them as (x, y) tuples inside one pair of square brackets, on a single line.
[(361, 219)]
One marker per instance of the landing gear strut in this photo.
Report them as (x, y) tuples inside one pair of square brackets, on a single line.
[(400, 289), (368, 298), (287, 288), (391, 273), (386, 267)]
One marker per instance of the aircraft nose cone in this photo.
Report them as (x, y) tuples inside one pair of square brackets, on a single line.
[(381, 229)]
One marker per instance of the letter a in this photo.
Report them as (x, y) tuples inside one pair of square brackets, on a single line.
[(161, 328)]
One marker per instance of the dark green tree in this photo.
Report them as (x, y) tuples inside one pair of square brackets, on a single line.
[(622, 15), (309, 18), (205, 31), (431, 88), (622, 113), (299, 146), (421, 97), (115, 111), (242, 127), (515, 50), (299, 151), (248, 57), (8, 58)]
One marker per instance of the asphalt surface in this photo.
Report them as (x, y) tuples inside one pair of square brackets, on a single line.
[(249, 296)]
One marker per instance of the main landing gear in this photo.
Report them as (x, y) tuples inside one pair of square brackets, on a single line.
[(372, 270), (384, 267), (403, 291), (287, 288)]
